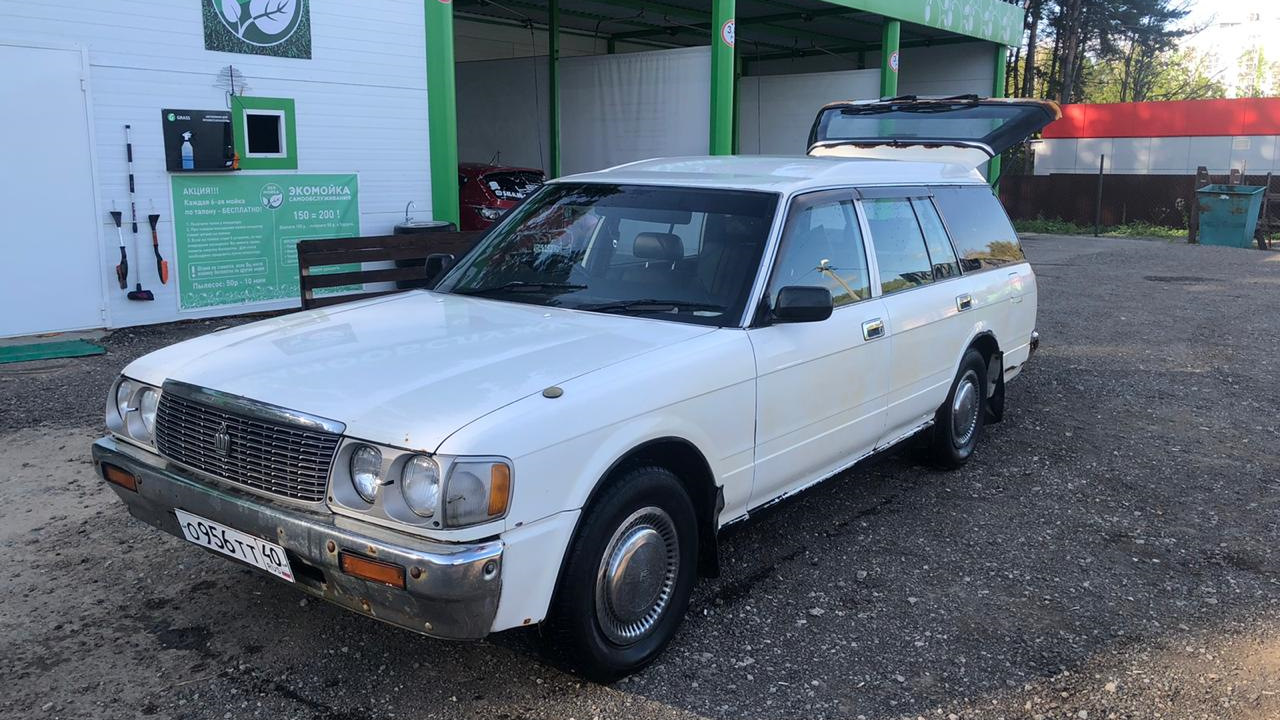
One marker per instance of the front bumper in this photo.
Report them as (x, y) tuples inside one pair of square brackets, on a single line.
[(454, 594)]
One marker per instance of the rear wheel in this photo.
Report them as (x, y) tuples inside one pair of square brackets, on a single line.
[(627, 578), (958, 423)]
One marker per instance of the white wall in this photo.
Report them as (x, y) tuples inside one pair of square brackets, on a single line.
[(361, 105), (939, 70), (775, 112), (1253, 155), (620, 108), (484, 41), (502, 108), (613, 108)]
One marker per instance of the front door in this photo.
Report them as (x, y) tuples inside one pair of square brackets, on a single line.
[(820, 388)]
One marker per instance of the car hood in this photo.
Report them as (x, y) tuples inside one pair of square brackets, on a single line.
[(411, 369)]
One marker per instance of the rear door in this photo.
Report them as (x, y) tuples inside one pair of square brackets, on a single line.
[(963, 130), (927, 301)]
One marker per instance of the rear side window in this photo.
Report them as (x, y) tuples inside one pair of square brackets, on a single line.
[(979, 227), (944, 260), (900, 250)]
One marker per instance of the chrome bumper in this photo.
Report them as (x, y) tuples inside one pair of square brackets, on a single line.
[(451, 590)]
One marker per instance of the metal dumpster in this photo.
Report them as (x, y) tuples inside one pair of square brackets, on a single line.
[(1229, 214)]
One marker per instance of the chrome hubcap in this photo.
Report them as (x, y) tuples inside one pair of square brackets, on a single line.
[(637, 575), (964, 409)]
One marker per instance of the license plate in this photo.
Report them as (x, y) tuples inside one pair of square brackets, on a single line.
[(241, 546)]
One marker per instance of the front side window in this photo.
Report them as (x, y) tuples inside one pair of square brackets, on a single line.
[(900, 249), (822, 246), (675, 253), (979, 227)]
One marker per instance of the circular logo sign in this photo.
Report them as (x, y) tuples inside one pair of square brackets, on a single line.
[(172, 117), (272, 196), (727, 32), (260, 22), (893, 61)]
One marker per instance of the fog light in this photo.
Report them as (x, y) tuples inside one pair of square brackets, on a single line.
[(371, 570)]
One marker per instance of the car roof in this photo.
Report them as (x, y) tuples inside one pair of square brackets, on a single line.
[(777, 173)]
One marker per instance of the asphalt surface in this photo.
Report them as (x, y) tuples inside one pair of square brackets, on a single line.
[(1111, 551)]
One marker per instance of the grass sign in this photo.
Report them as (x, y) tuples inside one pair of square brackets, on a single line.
[(281, 28)]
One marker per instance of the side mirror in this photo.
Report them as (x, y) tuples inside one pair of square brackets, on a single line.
[(437, 265), (802, 303)]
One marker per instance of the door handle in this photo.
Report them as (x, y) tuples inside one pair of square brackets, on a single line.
[(964, 302), (873, 329)]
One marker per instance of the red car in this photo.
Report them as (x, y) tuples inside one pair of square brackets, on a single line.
[(488, 191)]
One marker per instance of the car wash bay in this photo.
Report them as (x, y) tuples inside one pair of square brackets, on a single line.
[(568, 86)]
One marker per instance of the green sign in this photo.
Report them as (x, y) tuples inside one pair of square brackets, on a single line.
[(994, 20), (237, 235), (258, 27)]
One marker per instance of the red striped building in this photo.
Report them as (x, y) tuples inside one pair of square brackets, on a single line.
[(1164, 138)]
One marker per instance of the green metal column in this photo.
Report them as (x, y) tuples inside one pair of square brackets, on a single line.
[(442, 110), (889, 60), (723, 29), (553, 86), (997, 91)]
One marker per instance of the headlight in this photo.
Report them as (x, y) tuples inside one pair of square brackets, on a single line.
[(366, 471), (131, 411), (490, 213), (477, 491), (148, 403), (420, 485), (124, 393)]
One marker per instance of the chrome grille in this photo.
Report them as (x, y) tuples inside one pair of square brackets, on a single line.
[(274, 457)]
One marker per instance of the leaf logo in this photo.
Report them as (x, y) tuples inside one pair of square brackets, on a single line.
[(272, 196), (260, 22)]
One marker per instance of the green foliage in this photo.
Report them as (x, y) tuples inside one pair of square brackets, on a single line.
[(1064, 227), (1110, 51), (1259, 74)]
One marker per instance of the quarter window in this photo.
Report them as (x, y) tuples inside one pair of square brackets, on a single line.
[(979, 227), (822, 246), (899, 244), (941, 253)]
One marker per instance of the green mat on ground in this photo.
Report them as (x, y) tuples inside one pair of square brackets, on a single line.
[(49, 350)]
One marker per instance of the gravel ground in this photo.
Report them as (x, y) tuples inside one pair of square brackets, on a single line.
[(1111, 552)]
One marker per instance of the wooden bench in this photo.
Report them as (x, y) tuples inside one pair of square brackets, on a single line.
[(381, 248)]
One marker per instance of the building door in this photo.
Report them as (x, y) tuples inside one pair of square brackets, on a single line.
[(51, 270)]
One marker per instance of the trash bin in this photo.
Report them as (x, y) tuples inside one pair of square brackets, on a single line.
[(417, 227), (1229, 214)]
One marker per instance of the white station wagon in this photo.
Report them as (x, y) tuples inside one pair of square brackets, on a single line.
[(631, 360)]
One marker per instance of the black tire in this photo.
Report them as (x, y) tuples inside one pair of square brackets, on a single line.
[(958, 423), (574, 634)]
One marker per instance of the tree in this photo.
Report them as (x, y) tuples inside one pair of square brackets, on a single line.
[(1258, 77)]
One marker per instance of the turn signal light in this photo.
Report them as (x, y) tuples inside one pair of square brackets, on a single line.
[(371, 570), (499, 488), (126, 480)]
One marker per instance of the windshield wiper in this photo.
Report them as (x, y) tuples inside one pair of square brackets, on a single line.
[(651, 305), (522, 286)]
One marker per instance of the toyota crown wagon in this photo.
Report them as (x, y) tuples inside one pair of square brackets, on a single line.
[(629, 361)]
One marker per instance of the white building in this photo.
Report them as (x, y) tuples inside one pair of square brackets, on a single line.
[(258, 123)]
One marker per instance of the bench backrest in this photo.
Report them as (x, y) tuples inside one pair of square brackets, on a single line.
[(410, 251)]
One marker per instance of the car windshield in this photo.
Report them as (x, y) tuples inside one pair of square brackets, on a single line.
[(677, 253)]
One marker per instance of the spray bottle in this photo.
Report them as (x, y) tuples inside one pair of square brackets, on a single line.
[(188, 154)]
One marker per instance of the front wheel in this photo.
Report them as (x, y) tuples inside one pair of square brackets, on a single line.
[(958, 423), (627, 578)]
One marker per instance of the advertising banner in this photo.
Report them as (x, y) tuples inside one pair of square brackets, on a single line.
[(258, 27), (237, 235)]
